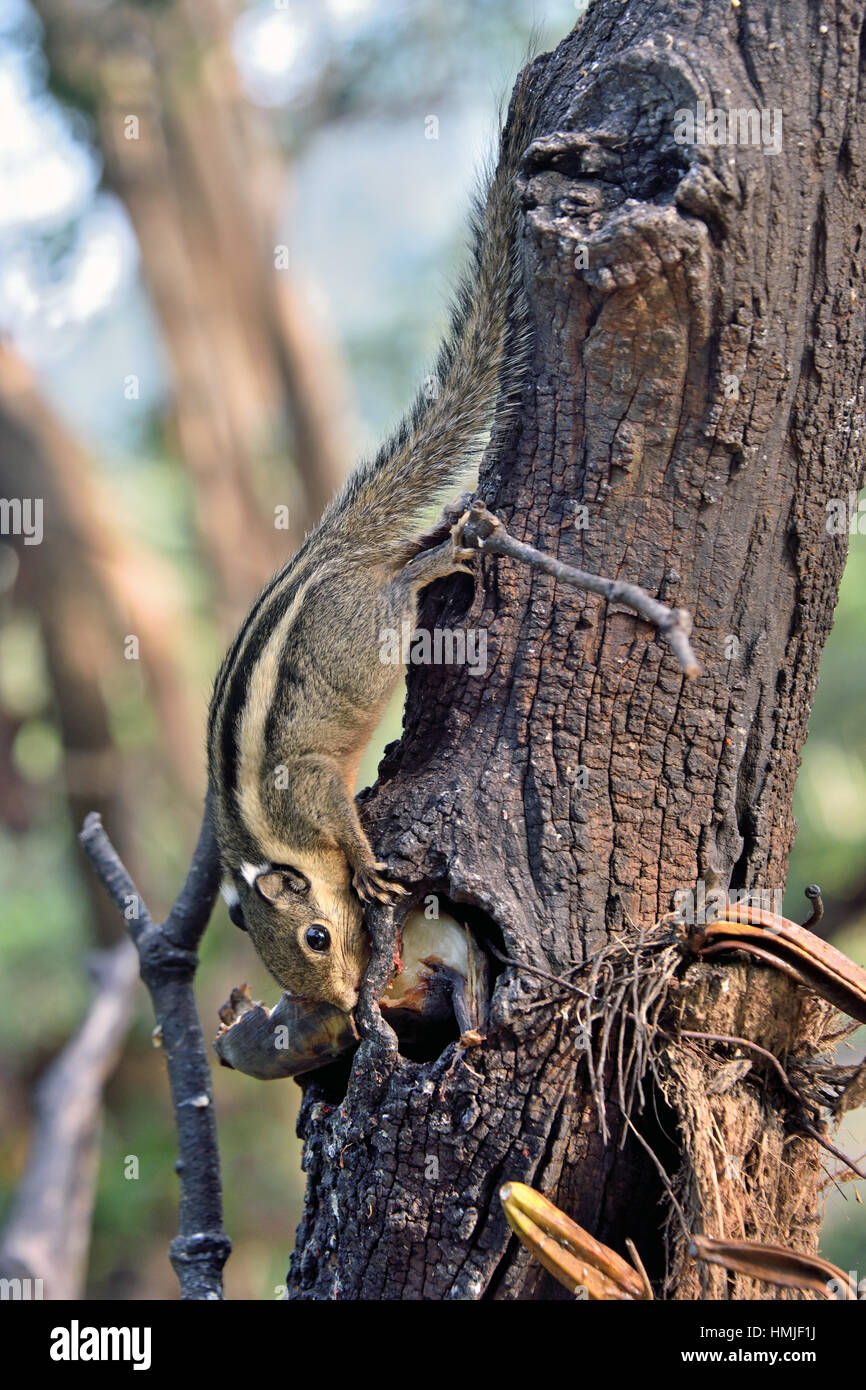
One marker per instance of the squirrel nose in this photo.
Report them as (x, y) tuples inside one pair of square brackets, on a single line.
[(348, 999)]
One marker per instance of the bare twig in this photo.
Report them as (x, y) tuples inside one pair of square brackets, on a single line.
[(751, 1046), (542, 974), (168, 959), (641, 1269), (831, 1148), (789, 1087), (662, 1174), (48, 1230), (813, 893), (480, 530)]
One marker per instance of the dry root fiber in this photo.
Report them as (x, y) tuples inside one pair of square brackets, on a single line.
[(747, 1170)]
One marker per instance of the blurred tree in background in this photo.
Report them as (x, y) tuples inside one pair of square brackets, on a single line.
[(225, 242)]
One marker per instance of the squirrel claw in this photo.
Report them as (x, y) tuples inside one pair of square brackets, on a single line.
[(456, 511), (459, 549), (369, 884), (482, 524)]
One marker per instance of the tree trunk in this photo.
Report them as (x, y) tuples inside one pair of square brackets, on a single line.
[(697, 387)]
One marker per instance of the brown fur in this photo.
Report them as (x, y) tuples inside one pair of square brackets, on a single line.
[(302, 688)]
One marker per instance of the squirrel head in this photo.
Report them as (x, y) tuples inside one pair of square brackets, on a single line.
[(307, 927)]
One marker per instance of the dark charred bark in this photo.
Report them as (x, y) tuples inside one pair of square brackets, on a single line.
[(698, 387)]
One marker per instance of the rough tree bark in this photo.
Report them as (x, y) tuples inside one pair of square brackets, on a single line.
[(698, 388)]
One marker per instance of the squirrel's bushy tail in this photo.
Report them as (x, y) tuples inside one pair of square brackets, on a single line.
[(483, 355)]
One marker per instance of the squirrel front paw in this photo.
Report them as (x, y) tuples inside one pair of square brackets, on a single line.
[(483, 524), (369, 884), (452, 512)]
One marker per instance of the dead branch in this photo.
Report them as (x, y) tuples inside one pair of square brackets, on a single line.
[(168, 957), (48, 1231), (480, 530)]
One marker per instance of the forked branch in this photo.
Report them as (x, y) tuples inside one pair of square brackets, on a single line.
[(168, 958)]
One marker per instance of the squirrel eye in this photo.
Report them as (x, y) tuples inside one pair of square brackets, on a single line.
[(318, 938)]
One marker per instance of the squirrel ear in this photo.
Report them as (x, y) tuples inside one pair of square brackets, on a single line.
[(271, 885), (275, 883), (294, 881)]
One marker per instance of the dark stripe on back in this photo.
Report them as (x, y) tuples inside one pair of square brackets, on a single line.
[(231, 654), (237, 677), (296, 563), (290, 692)]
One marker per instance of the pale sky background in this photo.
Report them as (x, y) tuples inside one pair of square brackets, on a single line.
[(70, 294)]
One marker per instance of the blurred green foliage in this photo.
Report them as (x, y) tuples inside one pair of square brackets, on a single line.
[(830, 801), (830, 849)]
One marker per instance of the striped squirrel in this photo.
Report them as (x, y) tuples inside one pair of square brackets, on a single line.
[(302, 687)]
